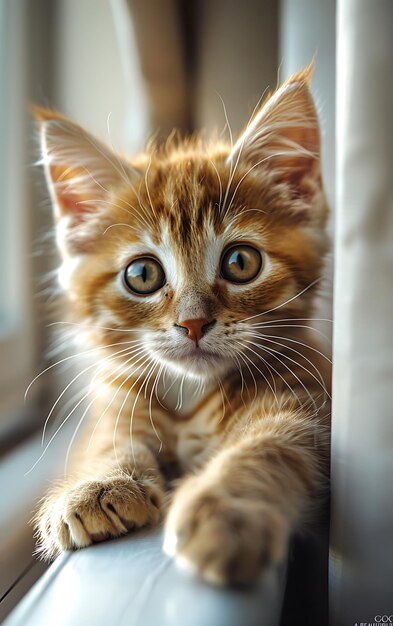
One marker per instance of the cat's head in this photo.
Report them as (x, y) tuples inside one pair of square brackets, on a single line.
[(187, 247)]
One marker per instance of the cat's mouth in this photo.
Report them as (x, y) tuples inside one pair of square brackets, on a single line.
[(182, 354), (198, 353), (196, 361)]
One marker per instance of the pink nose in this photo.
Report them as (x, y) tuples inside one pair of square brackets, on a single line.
[(195, 328)]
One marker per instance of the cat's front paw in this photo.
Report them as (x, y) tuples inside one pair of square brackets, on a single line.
[(227, 540), (95, 510)]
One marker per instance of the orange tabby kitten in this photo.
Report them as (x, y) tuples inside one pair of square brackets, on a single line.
[(193, 270)]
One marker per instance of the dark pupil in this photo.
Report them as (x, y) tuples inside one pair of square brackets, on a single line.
[(240, 261), (144, 273)]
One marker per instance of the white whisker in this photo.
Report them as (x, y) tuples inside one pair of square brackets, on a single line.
[(314, 282), (222, 398), (320, 381), (74, 379), (274, 354), (154, 386), (301, 343), (73, 356), (268, 326), (152, 363), (274, 391), (241, 356), (119, 224), (270, 366), (140, 351)]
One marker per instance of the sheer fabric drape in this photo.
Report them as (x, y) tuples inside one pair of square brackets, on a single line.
[(362, 443)]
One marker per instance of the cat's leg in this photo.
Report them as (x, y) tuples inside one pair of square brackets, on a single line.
[(109, 491), (235, 518)]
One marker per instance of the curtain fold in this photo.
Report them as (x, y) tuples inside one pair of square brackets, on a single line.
[(361, 563)]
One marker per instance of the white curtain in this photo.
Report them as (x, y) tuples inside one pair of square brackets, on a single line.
[(362, 445)]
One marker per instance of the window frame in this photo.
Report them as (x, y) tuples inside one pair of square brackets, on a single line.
[(16, 329)]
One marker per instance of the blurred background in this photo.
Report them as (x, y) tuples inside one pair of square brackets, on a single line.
[(127, 69), (124, 69)]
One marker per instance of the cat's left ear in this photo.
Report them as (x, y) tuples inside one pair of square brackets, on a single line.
[(81, 173), (284, 135)]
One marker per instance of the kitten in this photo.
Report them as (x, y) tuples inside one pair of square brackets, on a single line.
[(193, 270)]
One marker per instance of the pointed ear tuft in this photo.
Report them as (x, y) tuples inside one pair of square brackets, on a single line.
[(284, 134), (81, 172), (305, 75)]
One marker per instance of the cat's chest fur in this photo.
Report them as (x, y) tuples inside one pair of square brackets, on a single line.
[(196, 416)]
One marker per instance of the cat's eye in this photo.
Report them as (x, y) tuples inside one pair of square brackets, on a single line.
[(241, 263), (144, 276)]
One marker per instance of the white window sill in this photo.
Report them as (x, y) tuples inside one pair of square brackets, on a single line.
[(130, 582)]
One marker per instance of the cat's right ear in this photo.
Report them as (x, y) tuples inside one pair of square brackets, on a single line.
[(81, 173), (284, 136)]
